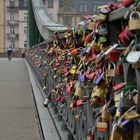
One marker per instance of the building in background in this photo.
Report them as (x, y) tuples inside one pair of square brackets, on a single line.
[(22, 23), (52, 8), (71, 12), (2, 25), (15, 24)]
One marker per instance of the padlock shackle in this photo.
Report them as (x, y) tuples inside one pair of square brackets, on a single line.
[(134, 13), (111, 48)]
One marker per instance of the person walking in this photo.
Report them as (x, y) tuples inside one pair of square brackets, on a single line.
[(23, 52), (9, 53)]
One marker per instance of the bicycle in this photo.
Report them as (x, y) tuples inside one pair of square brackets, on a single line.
[(9, 57)]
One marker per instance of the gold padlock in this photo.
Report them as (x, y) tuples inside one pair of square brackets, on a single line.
[(135, 99), (111, 71), (79, 91), (102, 126), (117, 99), (100, 91), (77, 117), (134, 21), (136, 66), (105, 115), (132, 115)]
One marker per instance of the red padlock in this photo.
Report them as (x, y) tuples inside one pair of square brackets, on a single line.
[(118, 86), (89, 37), (68, 89), (127, 3), (66, 69), (80, 102), (126, 37), (63, 100), (91, 75), (119, 69), (58, 99), (99, 71), (74, 52), (114, 56)]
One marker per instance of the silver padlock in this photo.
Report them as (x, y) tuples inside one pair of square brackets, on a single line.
[(46, 102)]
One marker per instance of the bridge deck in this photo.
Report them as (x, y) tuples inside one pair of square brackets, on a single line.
[(18, 119)]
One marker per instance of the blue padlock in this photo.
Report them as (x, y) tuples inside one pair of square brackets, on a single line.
[(99, 79), (127, 125), (81, 76)]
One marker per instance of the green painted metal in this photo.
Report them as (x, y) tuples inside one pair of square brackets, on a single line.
[(34, 36)]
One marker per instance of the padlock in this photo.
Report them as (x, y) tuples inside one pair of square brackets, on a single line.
[(114, 56), (117, 133), (126, 102), (126, 37), (63, 100), (99, 71), (73, 105), (100, 58), (66, 71), (68, 89), (58, 99), (118, 113), (136, 65), (51, 51), (99, 91), (102, 17), (103, 30), (111, 72), (89, 37), (117, 99), (134, 21), (57, 63), (91, 25), (119, 68), (94, 102), (87, 51), (46, 102), (74, 52), (136, 136), (79, 91), (91, 75), (118, 86), (90, 135), (77, 117), (73, 70), (102, 126), (102, 39), (80, 32), (105, 114), (132, 116), (127, 3), (135, 99), (99, 79), (81, 76), (127, 125), (80, 102)]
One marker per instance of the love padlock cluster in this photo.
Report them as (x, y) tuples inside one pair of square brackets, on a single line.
[(91, 75)]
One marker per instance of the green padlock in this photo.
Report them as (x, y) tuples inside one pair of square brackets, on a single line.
[(80, 32), (102, 39)]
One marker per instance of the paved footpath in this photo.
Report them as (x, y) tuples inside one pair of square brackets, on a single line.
[(18, 119)]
